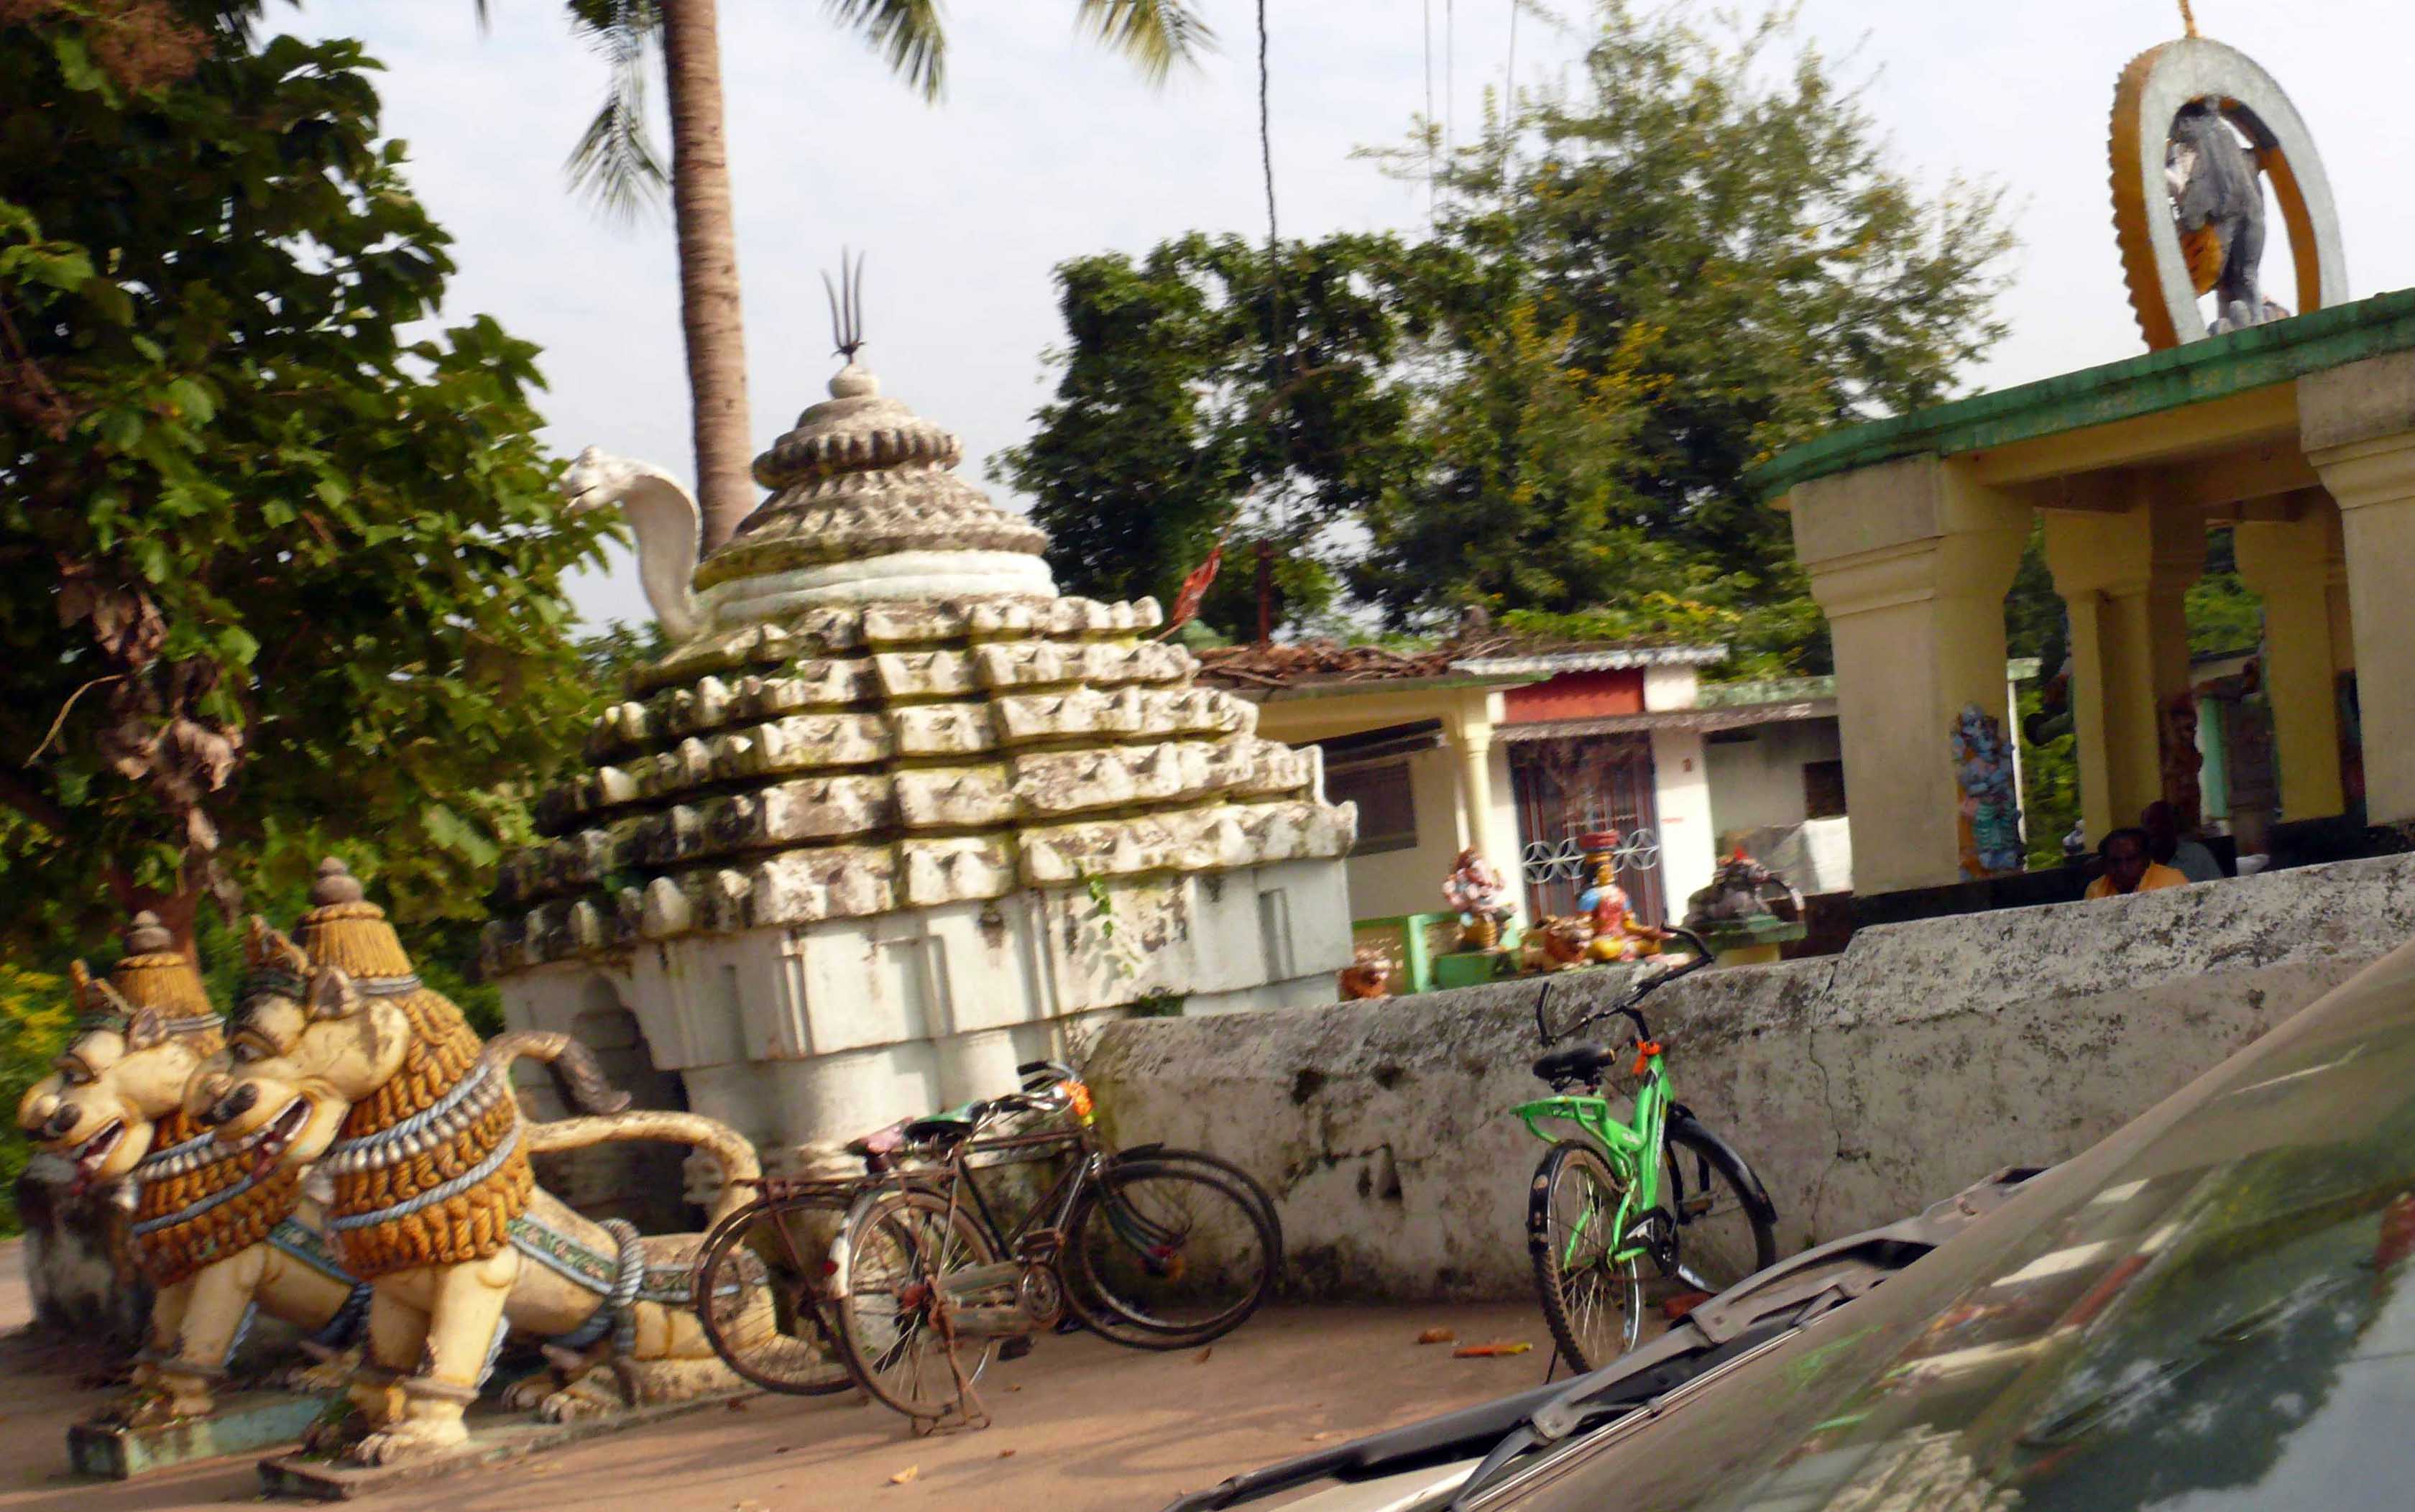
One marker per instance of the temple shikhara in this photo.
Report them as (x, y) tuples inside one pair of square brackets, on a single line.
[(892, 815)]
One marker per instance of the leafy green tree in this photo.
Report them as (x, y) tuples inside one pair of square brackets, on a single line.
[(1199, 397), (1717, 229), (34, 1023), (287, 580), (1638, 288)]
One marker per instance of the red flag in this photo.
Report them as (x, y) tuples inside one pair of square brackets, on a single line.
[(1194, 588)]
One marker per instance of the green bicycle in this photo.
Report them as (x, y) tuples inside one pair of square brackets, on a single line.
[(1626, 1215)]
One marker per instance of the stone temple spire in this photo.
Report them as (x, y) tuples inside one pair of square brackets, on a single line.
[(896, 793), (866, 505), (890, 709)]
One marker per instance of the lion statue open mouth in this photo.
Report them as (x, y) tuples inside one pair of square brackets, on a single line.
[(339, 1055), (216, 1233)]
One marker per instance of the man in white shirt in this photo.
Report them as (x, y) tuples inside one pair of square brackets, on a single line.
[(2166, 846)]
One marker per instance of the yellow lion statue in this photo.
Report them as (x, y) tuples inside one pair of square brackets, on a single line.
[(218, 1236), (338, 1054)]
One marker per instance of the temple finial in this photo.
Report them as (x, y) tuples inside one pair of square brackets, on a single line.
[(146, 935), (335, 884), (847, 306)]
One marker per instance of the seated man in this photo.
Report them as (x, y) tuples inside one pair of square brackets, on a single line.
[(2128, 868), (2167, 846)]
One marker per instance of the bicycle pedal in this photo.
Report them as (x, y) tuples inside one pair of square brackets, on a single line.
[(1016, 1348)]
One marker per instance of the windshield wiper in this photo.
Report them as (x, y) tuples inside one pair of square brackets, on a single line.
[(1655, 1369), (1631, 1396)]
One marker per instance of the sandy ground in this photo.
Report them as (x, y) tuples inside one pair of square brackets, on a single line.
[(1080, 1425)]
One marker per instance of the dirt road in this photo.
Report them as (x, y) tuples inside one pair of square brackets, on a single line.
[(1080, 1425)]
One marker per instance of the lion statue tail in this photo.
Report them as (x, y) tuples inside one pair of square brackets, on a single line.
[(610, 1123), (740, 1170), (570, 1060)]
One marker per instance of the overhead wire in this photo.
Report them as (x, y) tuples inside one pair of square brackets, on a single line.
[(1278, 343), (1429, 117), (1450, 76), (1509, 95)]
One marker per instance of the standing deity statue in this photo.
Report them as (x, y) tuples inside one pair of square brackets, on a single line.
[(2218, 208), (1989, 813), (1617, 934)]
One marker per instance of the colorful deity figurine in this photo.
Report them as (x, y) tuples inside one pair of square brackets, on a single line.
[(1617, 934), (1989, 813), (1481, 899)]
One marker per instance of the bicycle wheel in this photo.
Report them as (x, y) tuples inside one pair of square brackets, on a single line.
[(891, 1254), (1593, 1302), (1160, 1255), (1717, 1236), (1218, 1167), (758, 1295)]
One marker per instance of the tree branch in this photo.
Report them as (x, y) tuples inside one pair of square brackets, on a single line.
[(33, 804)]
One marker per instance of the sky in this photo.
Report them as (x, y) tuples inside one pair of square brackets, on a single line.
[(1046, 148)]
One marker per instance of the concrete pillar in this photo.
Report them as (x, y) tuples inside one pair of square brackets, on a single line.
[(2125, 577), (1469, 729), (2286, 562), (1910, 560), (2357, 424)]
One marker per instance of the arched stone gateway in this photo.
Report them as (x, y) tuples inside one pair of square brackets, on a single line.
[(892, 815)]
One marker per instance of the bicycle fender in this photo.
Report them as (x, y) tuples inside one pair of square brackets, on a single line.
[(1538, 1194), (1682, 1117)]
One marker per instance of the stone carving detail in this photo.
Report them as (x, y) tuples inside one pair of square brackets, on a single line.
[(878, 656), (354, 1065)]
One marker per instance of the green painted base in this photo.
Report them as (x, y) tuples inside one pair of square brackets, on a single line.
[(248, 1422), (1735, 934), (1468, 968), (493, 1438)]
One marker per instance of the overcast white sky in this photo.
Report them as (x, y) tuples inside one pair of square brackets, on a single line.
[(1046, 149)]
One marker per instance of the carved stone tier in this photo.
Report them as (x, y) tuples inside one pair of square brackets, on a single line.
[(896, 813)]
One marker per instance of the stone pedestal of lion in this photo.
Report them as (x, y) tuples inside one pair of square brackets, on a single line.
[(221, 1239), (339, 1055)]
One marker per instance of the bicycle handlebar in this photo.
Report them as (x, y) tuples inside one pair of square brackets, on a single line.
[(1702, 957), (1039, 1074)]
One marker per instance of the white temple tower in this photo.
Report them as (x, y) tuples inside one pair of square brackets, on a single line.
[(894, 815)]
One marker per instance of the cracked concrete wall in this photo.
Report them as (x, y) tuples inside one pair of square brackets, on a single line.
[(1861, 1086)]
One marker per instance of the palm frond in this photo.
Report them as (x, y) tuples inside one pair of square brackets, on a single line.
[(909, 34), (615, 166), (1157, 36)]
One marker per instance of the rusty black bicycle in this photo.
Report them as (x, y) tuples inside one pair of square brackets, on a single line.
[(910, 1278)]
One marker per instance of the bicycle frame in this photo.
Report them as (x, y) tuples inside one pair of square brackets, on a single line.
[(1058, 1200), (1633, 1150)]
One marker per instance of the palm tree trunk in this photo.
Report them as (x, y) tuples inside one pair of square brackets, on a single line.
[(708, 256)]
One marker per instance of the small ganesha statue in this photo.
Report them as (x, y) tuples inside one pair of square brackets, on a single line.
[(1617, 934), (1475, 891)]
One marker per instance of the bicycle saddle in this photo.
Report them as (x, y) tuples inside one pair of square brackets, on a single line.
[(885, 1140), (946, 1128), (1577, 1063)]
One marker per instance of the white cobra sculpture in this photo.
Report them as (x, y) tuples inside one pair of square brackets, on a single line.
[(667, 524)]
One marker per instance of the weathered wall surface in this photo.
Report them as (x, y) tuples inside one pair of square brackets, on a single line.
[(1861, 1086)]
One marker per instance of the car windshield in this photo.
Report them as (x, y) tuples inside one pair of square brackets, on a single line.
[(2212, 1310)]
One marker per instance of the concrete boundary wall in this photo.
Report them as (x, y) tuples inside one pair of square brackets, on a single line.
[(1861, 1086)]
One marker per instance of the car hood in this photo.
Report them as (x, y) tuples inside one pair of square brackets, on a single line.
[(2199, 1309)]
